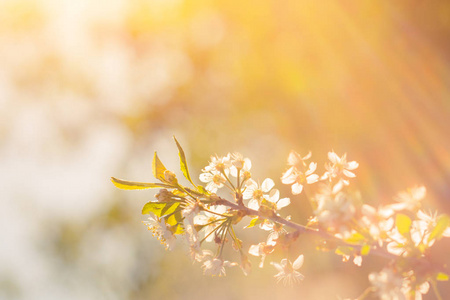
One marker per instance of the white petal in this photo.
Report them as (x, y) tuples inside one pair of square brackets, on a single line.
[(290, 176), (274, 196), (254, 250), (352, 165), (307, 156), (206, 177), (298, 262), (253, 204), (312, 168), (247, 164), (294, 158), (283, 203), (312, 178), (333, 157), (297, 188), (278, 267), (267, 185), (348, 173)]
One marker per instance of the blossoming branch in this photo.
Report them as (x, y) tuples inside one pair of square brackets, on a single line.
[(400, 232)]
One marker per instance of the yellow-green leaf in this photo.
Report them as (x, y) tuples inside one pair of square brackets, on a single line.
[(365, 250), (254, 222), (178, 229), (355, 238), (442, 276), (133, 185), (174, 219), (403, 224), (158, 168), (441, 225), (153, 207), (183, 163), (344, 250)]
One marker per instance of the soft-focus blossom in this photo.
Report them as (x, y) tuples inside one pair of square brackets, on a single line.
[(164, 195), (333, 211), (296, 160), (388, 284), (214, 180), (210, 220), (298, 178), (160, 230), (287, 271), (339, 166), (419, 289), (275, 229), (398, 244), (274, 200), (216, 266), (377, 221), (255, 192), (239, 164), (219, 164), (261, 250), (410, 199)]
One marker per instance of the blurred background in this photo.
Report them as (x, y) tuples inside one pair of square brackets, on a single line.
[(89, 89)]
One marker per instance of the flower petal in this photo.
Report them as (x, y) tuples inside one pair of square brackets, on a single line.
[(267, 185), (283, 203), (297, 188), (298, 262)]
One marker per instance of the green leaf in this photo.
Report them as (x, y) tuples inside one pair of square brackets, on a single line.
[(254, 222), (183, 163), (158, 168), (441, 225), (133, 185), (355, 238), (442, 276), (365, 250), (403, 224)]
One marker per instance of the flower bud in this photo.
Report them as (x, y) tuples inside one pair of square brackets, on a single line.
[(170, 177)]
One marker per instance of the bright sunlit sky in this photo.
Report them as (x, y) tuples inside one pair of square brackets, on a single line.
[(90, 89)]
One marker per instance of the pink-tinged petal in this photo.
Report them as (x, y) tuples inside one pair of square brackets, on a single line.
[(272, 238), (294, 158), (333, 157), (424, 287), (278, 266), (267, 185), (298, 263), (446, 232), (312, 178), (348, 173), (297, 188), (290, 176), (283, 203), (307, 156), (254, 250), (352, 165)]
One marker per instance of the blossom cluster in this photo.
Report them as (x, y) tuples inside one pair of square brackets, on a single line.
[(402, 232)]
